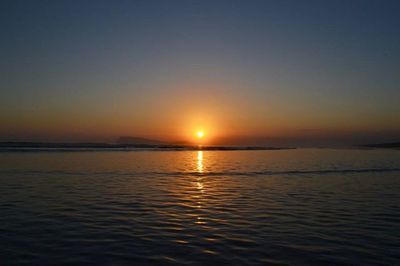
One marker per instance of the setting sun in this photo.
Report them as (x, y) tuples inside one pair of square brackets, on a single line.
[(200, 134)]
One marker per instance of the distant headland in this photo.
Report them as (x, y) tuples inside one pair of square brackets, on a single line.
[(126, 143), (392, 145), (123, 143)]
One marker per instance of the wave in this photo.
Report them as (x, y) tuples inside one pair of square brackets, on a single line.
[(206, 173), (290, 172)]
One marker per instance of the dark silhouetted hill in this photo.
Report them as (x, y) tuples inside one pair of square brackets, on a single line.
[(392, 145), (138, 141), (140, 144)]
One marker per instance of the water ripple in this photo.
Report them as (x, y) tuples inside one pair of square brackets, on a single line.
[(152, 209)]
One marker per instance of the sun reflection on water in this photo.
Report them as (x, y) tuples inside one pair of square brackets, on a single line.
[(200, 187), (200, 161)]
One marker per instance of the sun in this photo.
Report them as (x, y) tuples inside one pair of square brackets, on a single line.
[(200, 134)]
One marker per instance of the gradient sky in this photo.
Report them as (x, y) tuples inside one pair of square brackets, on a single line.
[(300, 70)]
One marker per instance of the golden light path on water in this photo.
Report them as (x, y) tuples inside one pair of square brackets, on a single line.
[(200, 161), (199, 185)]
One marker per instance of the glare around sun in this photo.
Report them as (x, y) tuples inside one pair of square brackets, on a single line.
[(200, 134)]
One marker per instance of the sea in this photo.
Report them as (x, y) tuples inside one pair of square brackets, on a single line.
[(154, 207)]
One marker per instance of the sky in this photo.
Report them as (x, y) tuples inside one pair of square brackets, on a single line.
[(301, 72)]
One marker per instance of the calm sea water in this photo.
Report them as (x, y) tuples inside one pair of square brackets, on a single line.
[(297, 207)]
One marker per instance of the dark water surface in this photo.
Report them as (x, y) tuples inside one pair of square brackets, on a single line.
[(297, 207)]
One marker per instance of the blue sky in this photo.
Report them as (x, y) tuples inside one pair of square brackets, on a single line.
[(291, 66)]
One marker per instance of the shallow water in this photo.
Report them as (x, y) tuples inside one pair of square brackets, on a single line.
[(297, 207)]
